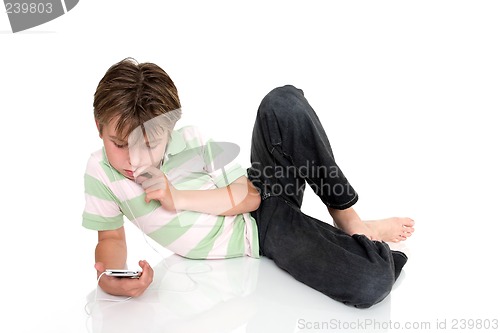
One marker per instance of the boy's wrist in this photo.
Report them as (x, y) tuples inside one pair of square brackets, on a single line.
[(178, 198)]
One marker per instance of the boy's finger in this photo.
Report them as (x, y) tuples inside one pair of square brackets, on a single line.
[(149, 173), (146, 277), (143, 264), (155, 184), (154, 195), (99, 266), (146, 268)]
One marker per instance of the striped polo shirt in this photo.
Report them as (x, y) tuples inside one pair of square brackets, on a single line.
[(188, 164)]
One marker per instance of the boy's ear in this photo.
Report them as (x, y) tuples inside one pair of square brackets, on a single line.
[(99, 129)]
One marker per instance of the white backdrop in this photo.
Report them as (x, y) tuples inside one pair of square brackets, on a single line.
[(407, 91)]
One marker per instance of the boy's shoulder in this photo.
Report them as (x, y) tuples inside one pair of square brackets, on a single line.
[(97, 164), (188, 136), (189, 131), (96, 157), (98, 154)]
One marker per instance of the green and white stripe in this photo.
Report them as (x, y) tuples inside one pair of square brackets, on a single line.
[(110, 196)]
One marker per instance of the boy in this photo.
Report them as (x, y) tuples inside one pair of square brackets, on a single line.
[(167, 183)]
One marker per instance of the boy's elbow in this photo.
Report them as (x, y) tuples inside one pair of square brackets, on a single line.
[(252, 198), (255, 202)]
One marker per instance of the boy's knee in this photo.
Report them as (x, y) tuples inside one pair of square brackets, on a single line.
[(285, 100), (284, 95), (285, 91), (371, 290)]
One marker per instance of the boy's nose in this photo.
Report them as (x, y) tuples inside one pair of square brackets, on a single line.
[(138, 157), (133, 159)]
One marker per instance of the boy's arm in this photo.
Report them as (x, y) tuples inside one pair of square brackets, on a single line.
[(238, 197), (111, 249), (111, 252)]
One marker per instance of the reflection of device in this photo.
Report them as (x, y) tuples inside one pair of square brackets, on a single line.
[(123, 273)]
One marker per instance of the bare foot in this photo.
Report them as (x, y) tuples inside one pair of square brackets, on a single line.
[(394, 229)]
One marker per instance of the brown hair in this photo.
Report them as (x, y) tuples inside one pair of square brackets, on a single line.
[(135, 93)]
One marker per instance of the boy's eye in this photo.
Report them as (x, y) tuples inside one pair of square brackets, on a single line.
[(152, 145), (120, 145)]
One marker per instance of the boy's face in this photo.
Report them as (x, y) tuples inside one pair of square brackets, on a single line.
[(131, 156)]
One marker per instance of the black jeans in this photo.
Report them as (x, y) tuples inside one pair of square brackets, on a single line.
[(289, 148)]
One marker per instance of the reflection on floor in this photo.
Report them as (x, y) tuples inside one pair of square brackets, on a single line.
[(233, 295)]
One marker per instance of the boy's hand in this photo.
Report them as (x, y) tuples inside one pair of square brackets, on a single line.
[(125, 286), (157, 187)]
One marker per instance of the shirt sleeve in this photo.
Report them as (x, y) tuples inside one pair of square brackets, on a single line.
[(101, 211), (220, 162)]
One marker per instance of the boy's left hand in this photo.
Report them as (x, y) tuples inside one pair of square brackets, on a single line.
[(157, 187), (125, 286)]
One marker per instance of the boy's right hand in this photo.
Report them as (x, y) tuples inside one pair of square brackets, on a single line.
[(157, 187), (125, 286)]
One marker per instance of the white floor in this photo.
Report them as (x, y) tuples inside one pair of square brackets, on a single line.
[(239, 295), (449, 281), (443, 284), (407, 91)]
